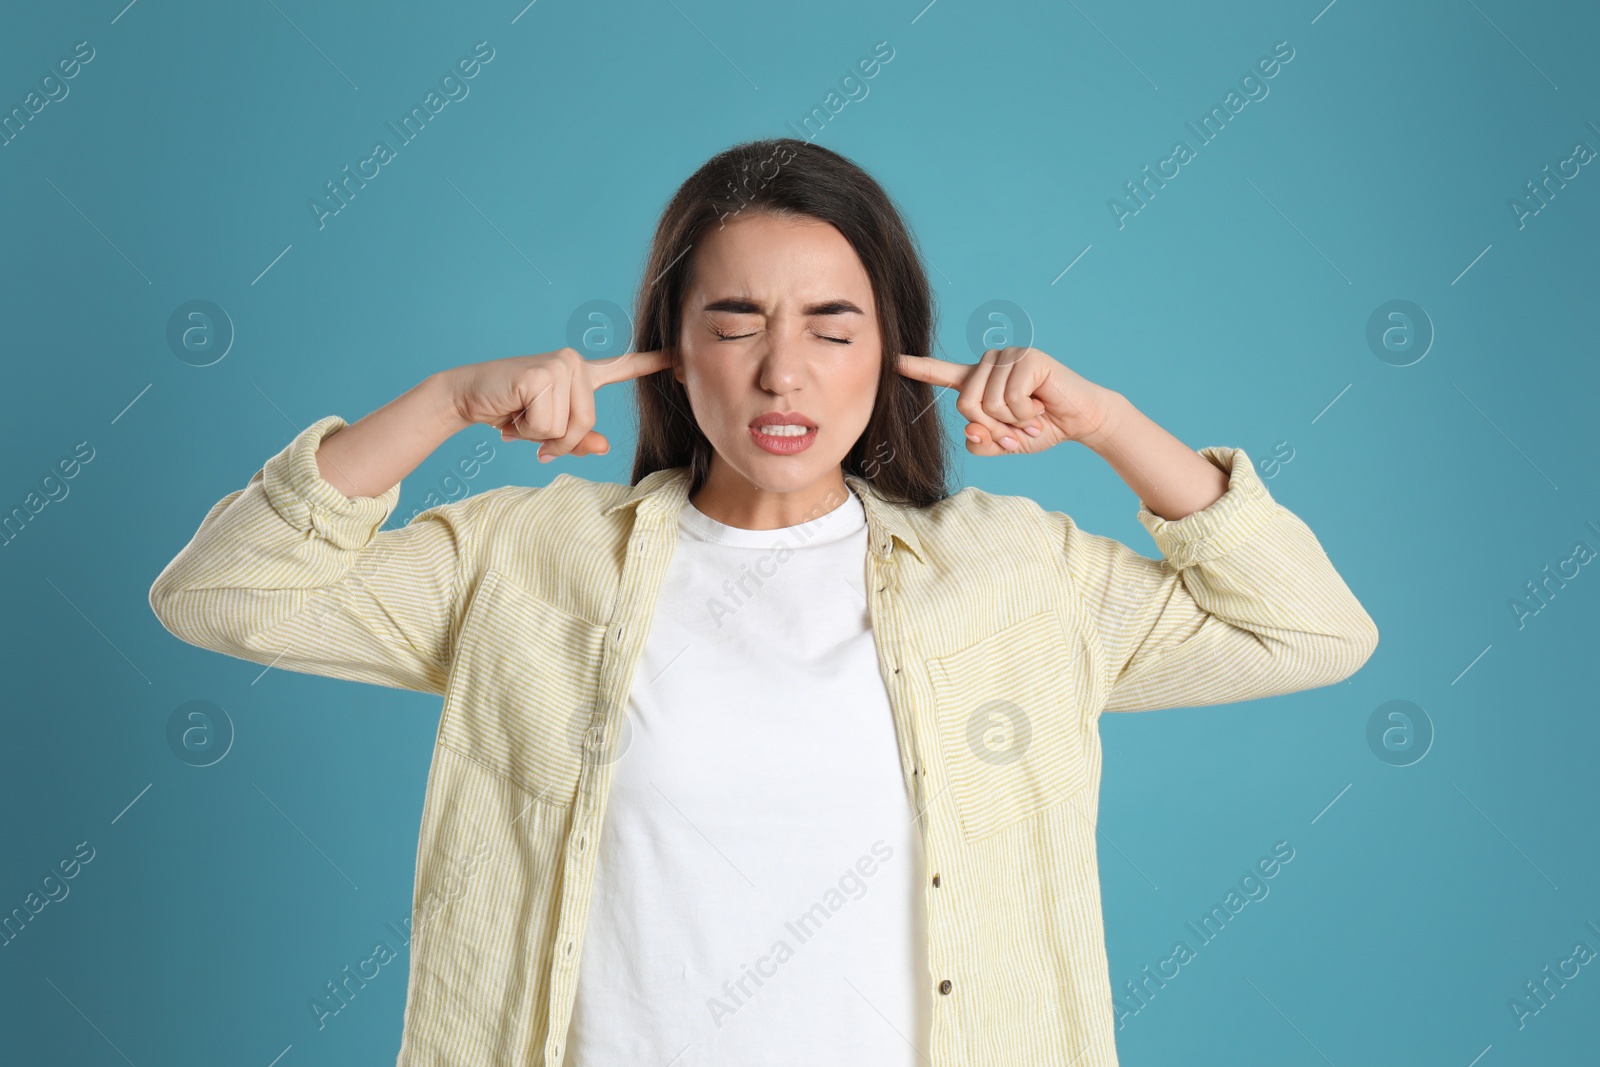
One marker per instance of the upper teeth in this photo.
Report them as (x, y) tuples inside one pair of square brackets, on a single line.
[(784, 429)]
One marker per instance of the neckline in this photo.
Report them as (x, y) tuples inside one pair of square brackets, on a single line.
[(843, 521)]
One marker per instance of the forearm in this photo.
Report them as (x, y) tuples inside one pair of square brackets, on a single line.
[(1168, 476), (1241, 603), (371, 456), (288, 571)]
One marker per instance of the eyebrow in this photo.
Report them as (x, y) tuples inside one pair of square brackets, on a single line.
[(739, 305)]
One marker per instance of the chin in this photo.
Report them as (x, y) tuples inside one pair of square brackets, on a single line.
[(783, 475), (786, 474)]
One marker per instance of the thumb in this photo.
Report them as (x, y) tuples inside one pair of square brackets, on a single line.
[(591, 444), (986, 445)]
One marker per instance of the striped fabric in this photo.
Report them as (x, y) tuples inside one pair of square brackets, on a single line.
[(1003, 630)]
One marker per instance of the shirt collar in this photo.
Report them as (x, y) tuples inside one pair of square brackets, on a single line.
[(666, 490)]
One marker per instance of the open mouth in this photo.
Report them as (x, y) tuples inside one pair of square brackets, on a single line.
[(783, 438)]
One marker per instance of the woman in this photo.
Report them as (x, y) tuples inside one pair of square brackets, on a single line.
[(796, 751)]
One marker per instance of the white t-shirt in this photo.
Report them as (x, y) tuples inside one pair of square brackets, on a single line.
[(758, 893)]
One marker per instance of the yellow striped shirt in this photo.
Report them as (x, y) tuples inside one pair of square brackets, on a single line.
[(1003, 631)]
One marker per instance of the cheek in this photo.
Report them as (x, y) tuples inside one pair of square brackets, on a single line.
[(866, 371), (715, 390), (856, 389)]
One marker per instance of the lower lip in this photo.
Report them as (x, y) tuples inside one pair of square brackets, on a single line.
[(783, 446)]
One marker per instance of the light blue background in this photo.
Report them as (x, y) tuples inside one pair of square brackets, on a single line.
[(1233, 309)]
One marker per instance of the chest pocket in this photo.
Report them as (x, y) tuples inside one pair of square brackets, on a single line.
[(1011, 724), (523, 689)]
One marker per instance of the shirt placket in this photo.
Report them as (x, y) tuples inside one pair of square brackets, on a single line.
[(887, 632), (649, 550)]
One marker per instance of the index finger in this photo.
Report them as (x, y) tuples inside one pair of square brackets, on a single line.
[(936, 371), (629, 365)]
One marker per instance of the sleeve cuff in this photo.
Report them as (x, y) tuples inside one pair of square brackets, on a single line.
[(1216, 529), (307, 501)]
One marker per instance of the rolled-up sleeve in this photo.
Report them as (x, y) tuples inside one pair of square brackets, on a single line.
[(290, 572), (1244, 602)]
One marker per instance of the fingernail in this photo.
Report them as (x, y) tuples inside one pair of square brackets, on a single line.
[(1033, 431), (974, 438), (1009, 442), (543, 458)]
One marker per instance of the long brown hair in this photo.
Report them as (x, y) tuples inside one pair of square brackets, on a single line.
[(903, 450)]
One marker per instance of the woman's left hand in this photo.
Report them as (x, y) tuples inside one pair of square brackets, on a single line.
[(1010, 390)]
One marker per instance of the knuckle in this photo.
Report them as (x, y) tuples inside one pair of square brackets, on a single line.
[(533, 423), (535, 379)]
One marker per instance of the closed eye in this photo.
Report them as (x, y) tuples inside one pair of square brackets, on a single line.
[(741, 336)]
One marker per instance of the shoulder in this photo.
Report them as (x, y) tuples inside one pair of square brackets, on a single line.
[(563, 488), (578, 505), (562, 542), (1008, 525), (971, 506)]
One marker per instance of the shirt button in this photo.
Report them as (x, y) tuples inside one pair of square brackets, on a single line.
[(936, 881), (944, 986)]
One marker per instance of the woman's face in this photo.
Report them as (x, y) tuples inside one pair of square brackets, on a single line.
[(779, 317)]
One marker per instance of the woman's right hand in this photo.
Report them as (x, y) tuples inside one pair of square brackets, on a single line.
[(547, 398)]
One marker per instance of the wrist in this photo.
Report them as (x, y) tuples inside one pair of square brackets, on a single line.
[(1112, 409), (443, 398)]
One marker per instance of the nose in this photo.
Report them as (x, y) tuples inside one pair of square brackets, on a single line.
[(783, 364)]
